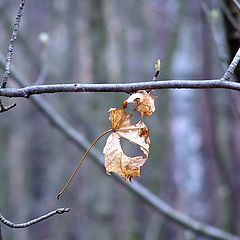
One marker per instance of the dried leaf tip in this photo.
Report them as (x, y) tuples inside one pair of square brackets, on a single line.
[(144, 101)]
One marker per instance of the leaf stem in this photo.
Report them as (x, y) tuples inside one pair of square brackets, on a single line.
[(81, 161)]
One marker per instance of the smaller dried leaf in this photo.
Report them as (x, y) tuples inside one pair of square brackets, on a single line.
[(115, 159), (145, 102)]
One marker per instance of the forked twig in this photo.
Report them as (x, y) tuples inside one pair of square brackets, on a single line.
[(5, 109)]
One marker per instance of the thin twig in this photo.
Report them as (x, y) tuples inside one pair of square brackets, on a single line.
[(34, 221), (5, 109), (231, 68), (229, 15), (148, 197), (237, 5), (9, 55), (11, 45)]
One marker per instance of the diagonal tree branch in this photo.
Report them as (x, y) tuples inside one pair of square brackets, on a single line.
[(231, 68), (12, 43), (237, 5), (148, 197), (34, 221), (9, 55)]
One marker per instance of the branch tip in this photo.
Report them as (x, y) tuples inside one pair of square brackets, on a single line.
[(62, 210), (7, 108), (34, 221)]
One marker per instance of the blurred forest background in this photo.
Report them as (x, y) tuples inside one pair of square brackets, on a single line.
[(195, 156)]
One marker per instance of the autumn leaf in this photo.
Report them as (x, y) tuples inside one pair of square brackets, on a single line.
[(144, 101), (115, 159)]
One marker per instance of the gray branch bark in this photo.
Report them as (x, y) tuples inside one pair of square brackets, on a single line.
[(128, 87), (34, 221), (26, 92)]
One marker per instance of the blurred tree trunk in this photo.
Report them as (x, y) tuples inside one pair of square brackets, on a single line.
[(216, 169), (186, 135), (72, 33), (97, 23), (17, 172), (233, 34), (37, 134), (113, 35)]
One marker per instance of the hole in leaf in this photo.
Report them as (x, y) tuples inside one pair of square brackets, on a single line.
[(130, 149)]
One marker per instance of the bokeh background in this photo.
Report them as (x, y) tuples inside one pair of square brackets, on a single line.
[(195, 157)]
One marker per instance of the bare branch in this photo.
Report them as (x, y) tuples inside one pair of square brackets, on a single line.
[(120, 87), (11, 45), (34, 221), (148, 197), (228, 74)]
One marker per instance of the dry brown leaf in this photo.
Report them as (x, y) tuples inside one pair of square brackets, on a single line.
[(145, 102), (115, 159)]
